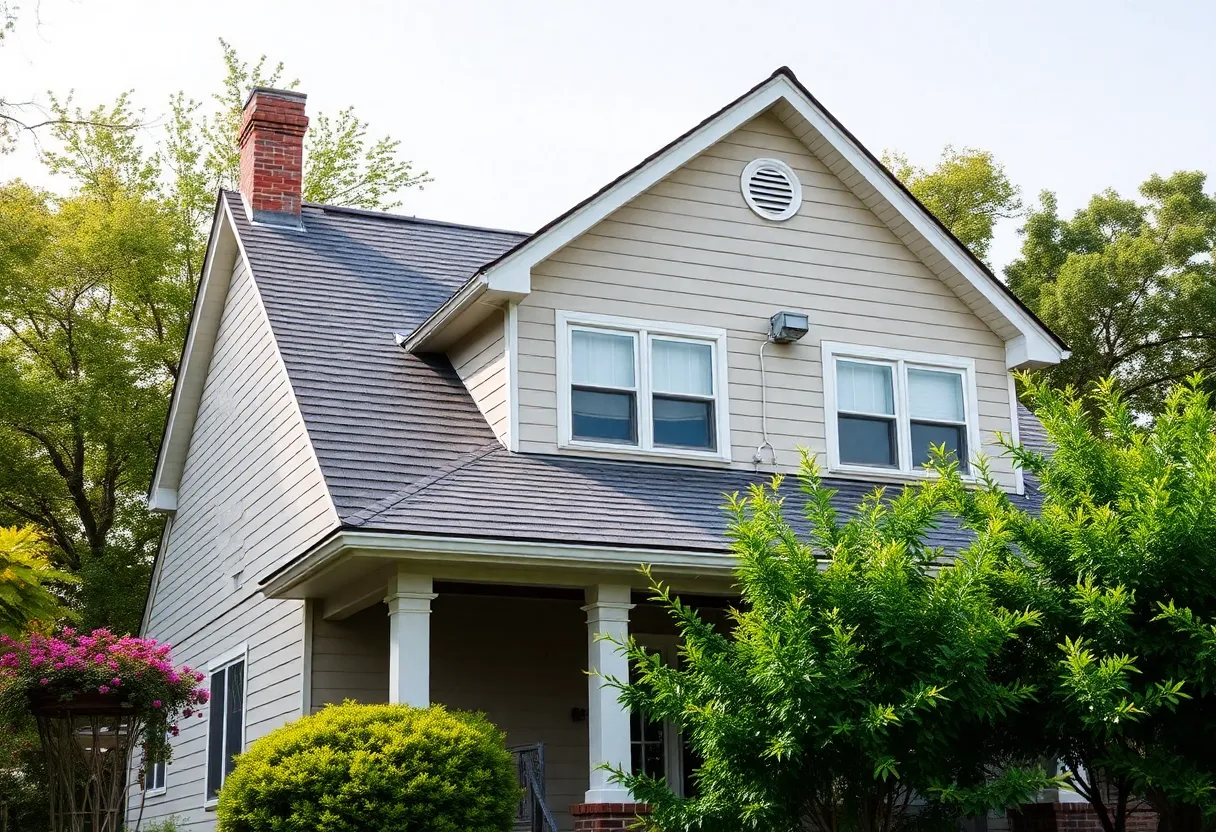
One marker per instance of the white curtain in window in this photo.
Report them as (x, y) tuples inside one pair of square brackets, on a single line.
[(935, 396), (865, 388), (601, 359), (682, 368)]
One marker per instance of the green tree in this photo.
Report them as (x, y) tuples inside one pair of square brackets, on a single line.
[(1121, 565), (96, 288), (27, 593), (1128, 284), (968, 191), (858, 673)]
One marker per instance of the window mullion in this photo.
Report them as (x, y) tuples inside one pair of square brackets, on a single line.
[(903, 419), (644, 394)]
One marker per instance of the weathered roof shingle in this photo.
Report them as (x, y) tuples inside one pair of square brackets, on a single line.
[(400, 442)]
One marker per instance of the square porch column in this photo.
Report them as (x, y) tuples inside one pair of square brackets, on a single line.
[(607, 611), (409, 657)]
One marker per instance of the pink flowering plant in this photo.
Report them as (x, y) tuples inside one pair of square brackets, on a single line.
[(133, 673)]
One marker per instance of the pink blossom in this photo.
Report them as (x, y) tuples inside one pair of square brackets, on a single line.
[(44, 681), (156, 703)]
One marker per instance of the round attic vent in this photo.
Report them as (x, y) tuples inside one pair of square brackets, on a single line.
[(771, 189)]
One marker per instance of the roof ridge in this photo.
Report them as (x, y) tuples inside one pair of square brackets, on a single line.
[(364, 515), (387, 215)]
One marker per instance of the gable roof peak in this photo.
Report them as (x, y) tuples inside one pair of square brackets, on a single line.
[(508, 277)]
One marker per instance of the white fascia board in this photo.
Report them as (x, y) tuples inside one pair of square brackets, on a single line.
[(1024, 353), (512, 274), (519, 263), (493, 552), (218, 262), (506, 286), (466, 296), (1039, 343)]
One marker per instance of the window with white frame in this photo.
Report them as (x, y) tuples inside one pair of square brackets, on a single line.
[(154, 778), (640, 385), (226, 718), (886, 409)]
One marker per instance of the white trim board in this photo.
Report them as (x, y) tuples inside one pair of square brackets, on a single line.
[(441, 550), (218, 263), (1028, 342), (832, 350), (643, 330)]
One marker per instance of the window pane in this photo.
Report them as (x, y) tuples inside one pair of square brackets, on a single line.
[(155, 777), (236, 715), (935, 396), (601, 359), (954, 437), (683, 423), (215, 733), (606, 417), (867, 441), (865, 388), (682, 368)]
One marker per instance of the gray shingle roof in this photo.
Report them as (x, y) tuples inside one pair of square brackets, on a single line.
[(401, 444), (335, 295), (496, 494)]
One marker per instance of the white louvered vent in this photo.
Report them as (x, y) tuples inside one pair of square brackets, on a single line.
[(771, 189)]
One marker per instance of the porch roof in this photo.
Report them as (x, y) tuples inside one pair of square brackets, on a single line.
[(493, 493)]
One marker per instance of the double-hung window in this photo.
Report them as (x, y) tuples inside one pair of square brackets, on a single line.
[(642, 386), (154, 778), (886, 409), (226, 718)]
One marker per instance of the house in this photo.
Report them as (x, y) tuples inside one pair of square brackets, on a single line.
[(415, 461)]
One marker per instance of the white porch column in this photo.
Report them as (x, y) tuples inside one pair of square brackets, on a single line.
[(607, 720), (409, 652)]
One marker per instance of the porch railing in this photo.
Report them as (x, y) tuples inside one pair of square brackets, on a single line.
[(533, 812)]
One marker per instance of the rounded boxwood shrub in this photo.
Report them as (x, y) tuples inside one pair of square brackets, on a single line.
[(374, 768)]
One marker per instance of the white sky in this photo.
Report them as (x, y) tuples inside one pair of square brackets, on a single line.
[(520, 109)]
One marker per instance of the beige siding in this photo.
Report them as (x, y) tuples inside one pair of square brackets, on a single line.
[(480, 361), (350, 658), (689, 251), (520, 660), (251, 497)]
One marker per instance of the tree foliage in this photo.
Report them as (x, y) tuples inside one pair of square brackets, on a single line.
[(858, 673), (96, 287), (1128, 284), (1121, 565), (27, 582), (968, 191)]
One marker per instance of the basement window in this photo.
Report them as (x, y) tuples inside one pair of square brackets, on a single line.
[(886, 409), (641, 386)]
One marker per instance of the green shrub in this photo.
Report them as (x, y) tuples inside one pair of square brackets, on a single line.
[(364, 768)]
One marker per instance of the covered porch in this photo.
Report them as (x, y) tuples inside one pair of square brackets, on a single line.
[(514, 644)]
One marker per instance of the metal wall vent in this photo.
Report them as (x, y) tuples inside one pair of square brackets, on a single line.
[(771, 189)]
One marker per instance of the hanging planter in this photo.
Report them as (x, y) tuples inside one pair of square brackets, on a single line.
[(96, 698)]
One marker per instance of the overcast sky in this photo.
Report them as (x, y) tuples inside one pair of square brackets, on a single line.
[(520, 109)]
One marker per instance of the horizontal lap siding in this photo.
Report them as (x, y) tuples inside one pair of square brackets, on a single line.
[(480, 361), (690, 251), (251, 497)]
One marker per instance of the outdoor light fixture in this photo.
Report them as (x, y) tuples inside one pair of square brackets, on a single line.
[(787, 327)]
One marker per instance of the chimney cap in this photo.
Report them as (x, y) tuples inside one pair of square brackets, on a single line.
[(290, 95)]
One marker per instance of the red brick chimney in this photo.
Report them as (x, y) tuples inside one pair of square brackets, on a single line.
[(272, 156)]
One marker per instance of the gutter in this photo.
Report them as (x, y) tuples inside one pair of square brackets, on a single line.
[(335, 548)]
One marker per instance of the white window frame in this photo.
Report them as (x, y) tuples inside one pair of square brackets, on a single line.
[(668, 647), (238, 654), (643, 331), (149, 777), (901, 361)]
